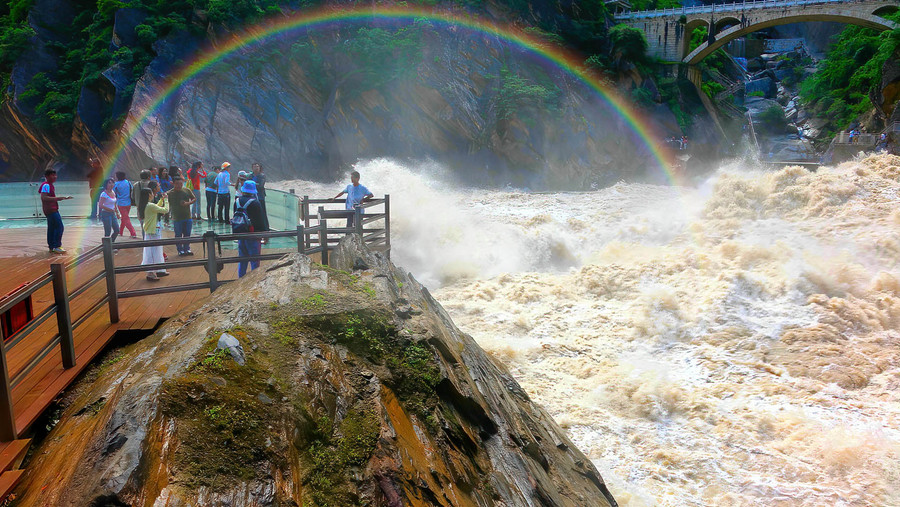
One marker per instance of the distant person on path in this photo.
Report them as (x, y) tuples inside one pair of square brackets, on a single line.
[(211, 194), (196, 174), (124, 190), (141, 196), (154, 254), (108, 211), (223, 184), (95, 182), (356, 195), (180, 201), (259, 177), (50, 204), (248, 204)]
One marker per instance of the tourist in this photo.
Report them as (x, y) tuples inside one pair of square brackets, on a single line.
[(259, 177), (180, 201), (165, 180), (154, 208), (356, 195), (241, 178), (108, 211), (154, 174), (124, 191), (50, 205), (95, 183), (211, 193), (195, 173), (249, 204), (223, 198), (141, 195)]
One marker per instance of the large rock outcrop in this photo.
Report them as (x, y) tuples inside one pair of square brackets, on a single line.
[(356, 389)]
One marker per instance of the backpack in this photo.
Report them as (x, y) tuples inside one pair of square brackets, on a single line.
[(240, 221)]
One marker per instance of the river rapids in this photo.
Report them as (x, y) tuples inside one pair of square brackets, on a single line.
[(736, 343)]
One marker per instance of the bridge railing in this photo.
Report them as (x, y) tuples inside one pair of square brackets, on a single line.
[(733, 6)]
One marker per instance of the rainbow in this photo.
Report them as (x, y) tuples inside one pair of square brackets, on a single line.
[(569, 62)]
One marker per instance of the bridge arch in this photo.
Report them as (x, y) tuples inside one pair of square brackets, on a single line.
[(866, 20), (726, 22), (689, 28), (887, 9)]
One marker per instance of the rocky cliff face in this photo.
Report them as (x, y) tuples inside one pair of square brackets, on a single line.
[(353, 387), (305, 117)]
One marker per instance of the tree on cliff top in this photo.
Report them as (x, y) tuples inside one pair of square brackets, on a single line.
[(839, 90)]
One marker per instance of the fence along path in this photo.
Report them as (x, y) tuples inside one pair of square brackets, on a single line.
[(80, 305)]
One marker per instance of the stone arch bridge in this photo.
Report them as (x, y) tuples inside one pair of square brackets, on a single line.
[(669, 30)]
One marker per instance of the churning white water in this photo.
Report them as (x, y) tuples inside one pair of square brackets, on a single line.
[(734, 344)]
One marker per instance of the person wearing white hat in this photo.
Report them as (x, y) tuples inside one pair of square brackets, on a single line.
[(248, 204), (223, 189)]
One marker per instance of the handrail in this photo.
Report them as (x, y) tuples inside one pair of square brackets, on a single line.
[(23, 292)]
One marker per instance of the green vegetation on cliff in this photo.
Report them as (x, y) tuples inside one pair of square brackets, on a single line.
[(840, 89), (80, 49)]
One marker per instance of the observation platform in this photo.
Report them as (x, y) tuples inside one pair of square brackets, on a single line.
[(82, 301)]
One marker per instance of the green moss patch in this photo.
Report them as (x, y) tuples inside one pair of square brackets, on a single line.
[(332, 453), (225, 433)]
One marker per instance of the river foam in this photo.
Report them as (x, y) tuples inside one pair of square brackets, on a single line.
[(731, 344)]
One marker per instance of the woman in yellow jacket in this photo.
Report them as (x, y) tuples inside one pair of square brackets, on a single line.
[(154, 254)]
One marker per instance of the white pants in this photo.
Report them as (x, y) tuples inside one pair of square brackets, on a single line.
[(153, 254)]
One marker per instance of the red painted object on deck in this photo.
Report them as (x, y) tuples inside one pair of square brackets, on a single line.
[(18, 316)]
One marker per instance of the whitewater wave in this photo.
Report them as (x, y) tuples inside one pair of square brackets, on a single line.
[(731, 344)]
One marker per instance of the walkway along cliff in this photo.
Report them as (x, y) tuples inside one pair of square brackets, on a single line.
[(340, 385)]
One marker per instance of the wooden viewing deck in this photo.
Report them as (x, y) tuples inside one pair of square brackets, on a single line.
[(99, 293)]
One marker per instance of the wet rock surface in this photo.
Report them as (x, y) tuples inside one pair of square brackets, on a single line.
[(357, 389)]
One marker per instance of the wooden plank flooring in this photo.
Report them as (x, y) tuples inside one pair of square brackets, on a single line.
[(48, 379)]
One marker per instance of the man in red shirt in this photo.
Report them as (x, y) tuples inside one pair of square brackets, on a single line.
[(50, 204)]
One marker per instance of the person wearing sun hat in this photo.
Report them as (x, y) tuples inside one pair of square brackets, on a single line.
[(241, 178), (249, 202), (223, 191)]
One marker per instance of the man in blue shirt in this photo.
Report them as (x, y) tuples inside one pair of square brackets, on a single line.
[(223, 200), (356, 195)]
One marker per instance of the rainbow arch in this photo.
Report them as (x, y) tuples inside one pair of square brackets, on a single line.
[(562, 59)]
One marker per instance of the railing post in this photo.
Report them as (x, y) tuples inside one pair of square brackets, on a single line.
[(323, 235), (109, 265), (301, 239), (63, 315), (357, 221), (304, 211), (211, 266), (387, 225), (8, 431)]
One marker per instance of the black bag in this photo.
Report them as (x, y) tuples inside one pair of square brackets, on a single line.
[(240, 222)]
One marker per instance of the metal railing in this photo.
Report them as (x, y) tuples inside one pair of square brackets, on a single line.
[(733, 6), (63, 338), (858, 139), (378, 236)]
